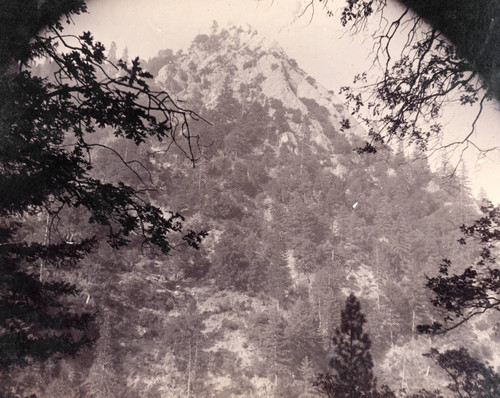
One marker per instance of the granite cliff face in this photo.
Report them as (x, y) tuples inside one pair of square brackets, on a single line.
[(246, 58)]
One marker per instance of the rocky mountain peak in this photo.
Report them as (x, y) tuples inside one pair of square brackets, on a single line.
[(254, 69), (240, 38)]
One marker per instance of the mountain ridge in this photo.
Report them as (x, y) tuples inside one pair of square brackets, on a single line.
[(297, 221), (244, 58)]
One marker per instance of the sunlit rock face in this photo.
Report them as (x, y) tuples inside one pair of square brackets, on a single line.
[(254, 69)]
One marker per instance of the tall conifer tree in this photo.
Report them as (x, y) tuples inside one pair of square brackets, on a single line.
[(352, 363)]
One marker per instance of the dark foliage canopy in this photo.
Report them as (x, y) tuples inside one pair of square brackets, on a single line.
[(429, 54), (47, 127)]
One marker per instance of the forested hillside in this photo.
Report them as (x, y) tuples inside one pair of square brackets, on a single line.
[(297, 221)]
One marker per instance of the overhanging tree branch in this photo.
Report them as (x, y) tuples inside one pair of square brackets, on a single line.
[(46, 165), (429, 54), (476, 290)]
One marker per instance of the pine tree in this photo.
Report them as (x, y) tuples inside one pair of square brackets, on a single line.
[(306, 372), (302, 332), (352, 363), (327, 300), (274, 348), (275, 271), (482, 195), (112, 53), (101, 380)]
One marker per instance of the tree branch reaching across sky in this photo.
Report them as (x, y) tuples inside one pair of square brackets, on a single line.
[(428, 55)]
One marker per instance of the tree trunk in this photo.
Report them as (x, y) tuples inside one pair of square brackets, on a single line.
[(189, 372), (193, 378), (377, 275), (45, 241), (319, 314), (413, 318)]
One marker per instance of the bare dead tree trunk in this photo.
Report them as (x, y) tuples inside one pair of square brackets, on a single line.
[(319, 314), (193, 378), (189, 372), (377, 275), (413, 318)]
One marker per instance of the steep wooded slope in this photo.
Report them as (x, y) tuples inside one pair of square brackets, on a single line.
[(296, 219)]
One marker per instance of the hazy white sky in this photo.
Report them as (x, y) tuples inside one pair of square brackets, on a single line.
[(150, 25), (320, 45)]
